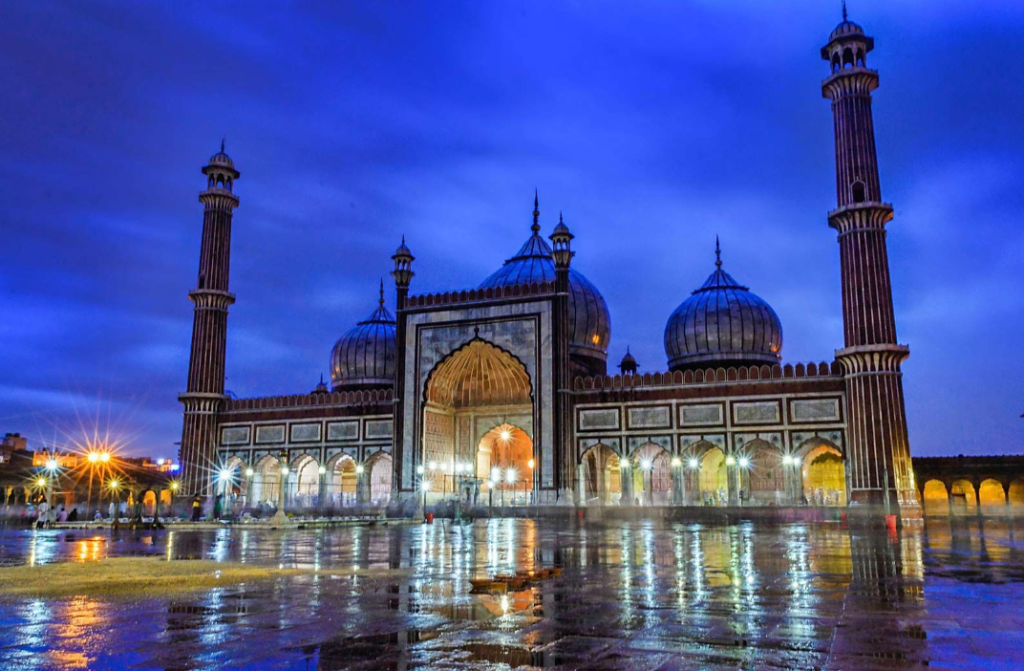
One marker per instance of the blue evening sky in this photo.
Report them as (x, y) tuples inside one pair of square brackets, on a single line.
[(654, 126)]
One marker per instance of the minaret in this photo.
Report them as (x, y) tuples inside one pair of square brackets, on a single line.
[(878, 454), (209, 327), (402, 478), (565, 456)]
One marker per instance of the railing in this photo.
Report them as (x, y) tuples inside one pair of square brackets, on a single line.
[(709, 376)]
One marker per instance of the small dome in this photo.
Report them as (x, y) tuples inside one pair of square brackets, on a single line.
[(220, 158), (402, 250), (722, 324), (845, 28), (628, 363), (321, 388), (589, 320), (365, 356)]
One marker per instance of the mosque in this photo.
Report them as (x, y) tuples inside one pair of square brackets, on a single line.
[(501, 394)]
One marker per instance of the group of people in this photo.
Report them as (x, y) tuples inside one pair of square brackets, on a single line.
[(46, 516)]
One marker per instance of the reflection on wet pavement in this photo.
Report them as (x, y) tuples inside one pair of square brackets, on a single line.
[(640, 595)]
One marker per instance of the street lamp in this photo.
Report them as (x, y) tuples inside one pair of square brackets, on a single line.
[(51, 468), (645, 466), (744, 465), (114, 484)]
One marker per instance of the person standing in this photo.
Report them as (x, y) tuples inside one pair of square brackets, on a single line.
[(42, 514), (197, 509)]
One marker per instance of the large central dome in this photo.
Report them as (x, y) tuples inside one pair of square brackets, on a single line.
[(722, 324), (589, 322)]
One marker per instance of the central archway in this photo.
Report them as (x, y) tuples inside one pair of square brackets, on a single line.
[(478, 426)]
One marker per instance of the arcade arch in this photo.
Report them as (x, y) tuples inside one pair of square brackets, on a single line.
[(600, 478), (266, 481), (823, 473), (379, 469), (341, 481), (935, 499), (652, 475)]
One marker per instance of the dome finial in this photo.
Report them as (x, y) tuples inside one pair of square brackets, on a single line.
[(222, 145), (536, 212), (718, 253), (844, 10), (382, 292)]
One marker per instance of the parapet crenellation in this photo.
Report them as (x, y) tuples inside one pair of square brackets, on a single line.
[(710, 376), (471, 295), (351, 398)]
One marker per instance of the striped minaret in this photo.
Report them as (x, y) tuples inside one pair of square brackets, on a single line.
[(878, 453), (209, 327)]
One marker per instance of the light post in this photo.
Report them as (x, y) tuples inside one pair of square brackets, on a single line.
[(51, 470), (530, 464), (173, 486), (114, 485), (426, 488), (495, 478), (732, 477), (645, 468), (678, 486), (249, 473), (744, 464), (694, 465), (510, 478)]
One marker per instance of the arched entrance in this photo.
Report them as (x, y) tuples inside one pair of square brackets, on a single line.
[(306, 479), (714, 478), (504, 454), (963, 497), (824, 475), (936, 499), (379, 470), (762, 476), (601, 477), (652, 475), (1015, 495), (341, 481), (991, 497), (266, 482), (478, 426)]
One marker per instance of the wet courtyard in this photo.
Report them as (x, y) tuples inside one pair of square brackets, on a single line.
[(640, 595)]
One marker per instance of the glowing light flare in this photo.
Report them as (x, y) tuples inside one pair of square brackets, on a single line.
[(224, 475), (426, 485), (432, 465), (645, 464), (249, 472), (114, 484), (495, 474), (284, 471), (531, 463), (322, 470), (676, 462), (94, 457), (174, 485), (694, 463), (744, 462), (506, 435), (419, 470), (41, 482), (104, 457), (624, 463), (510, 476), (51, 465), (730, 461)]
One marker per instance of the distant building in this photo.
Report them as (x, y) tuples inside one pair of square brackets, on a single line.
[(503, 389), (12, 442)]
